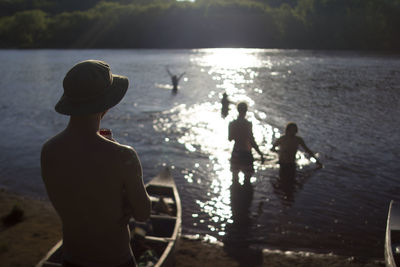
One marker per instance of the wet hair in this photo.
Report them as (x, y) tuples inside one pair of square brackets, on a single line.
[(291, 125), (242, 107)]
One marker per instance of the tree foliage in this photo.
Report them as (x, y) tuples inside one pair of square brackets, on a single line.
[(321, 24)]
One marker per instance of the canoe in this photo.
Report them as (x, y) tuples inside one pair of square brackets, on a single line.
[(163, 229), (392, 237), (166, 224)]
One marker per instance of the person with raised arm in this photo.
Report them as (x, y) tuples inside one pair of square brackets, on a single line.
[(174, 80)]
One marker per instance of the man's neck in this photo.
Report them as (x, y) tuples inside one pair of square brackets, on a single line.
[(88, 125)]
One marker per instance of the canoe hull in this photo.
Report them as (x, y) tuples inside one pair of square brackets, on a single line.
[(392, 237)]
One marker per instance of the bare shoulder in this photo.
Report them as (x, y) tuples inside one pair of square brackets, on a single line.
[(299, 140), (127, 160), (126, 154), (282, 138), (232, 125), (51, 144)]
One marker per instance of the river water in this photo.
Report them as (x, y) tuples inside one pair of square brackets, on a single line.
[(346, 105)]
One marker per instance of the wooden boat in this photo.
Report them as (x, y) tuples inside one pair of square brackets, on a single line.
[(392, 238), (165, 223)]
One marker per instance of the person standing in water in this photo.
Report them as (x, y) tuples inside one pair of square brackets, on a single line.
[(288, 145), (95, 184), (175, 80), (225, 105), (241, 131)]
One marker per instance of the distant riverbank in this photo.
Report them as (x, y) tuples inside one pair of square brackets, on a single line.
[(359, 25), (25, 243)]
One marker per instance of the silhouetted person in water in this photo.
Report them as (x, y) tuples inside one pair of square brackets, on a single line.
[(241, 131), (288, 145), (225, 105), (94, 183), (175, 80)]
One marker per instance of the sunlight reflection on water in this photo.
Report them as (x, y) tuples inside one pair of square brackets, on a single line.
[(345, 104), (230, 58), (204, 130)]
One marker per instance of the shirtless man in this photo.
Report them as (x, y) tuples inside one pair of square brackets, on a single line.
[(225, 105), (94, 183), (175, 80), (288, 145), (241, 131)]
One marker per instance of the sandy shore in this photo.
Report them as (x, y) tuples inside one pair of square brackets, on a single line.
[(25, 243)]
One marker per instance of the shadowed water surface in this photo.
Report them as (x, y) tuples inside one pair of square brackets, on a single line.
[(345, 104)]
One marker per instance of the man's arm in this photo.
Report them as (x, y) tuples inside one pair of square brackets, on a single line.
[(309, 152), (169, 73), (254, 144), (136, 193), (275, 144), (230, 132), (180, 76)]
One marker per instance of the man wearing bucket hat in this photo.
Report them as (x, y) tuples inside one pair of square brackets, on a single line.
[(95, 184)]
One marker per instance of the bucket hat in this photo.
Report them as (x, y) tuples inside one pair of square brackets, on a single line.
[(90, 87)]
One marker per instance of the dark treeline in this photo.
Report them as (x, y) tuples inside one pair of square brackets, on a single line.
[(304, 24)]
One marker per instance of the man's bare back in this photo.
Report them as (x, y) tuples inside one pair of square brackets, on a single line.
[(241, 131), (95, 185), (289, 144)]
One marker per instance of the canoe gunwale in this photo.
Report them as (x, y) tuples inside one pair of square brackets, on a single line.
[(164, 179), (392, 229)]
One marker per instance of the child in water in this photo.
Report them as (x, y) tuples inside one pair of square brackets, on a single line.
[(288, 145)]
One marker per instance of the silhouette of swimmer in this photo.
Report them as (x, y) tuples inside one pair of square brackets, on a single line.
[(241, 131), (288, 145), (174, 79), (225, 105)]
